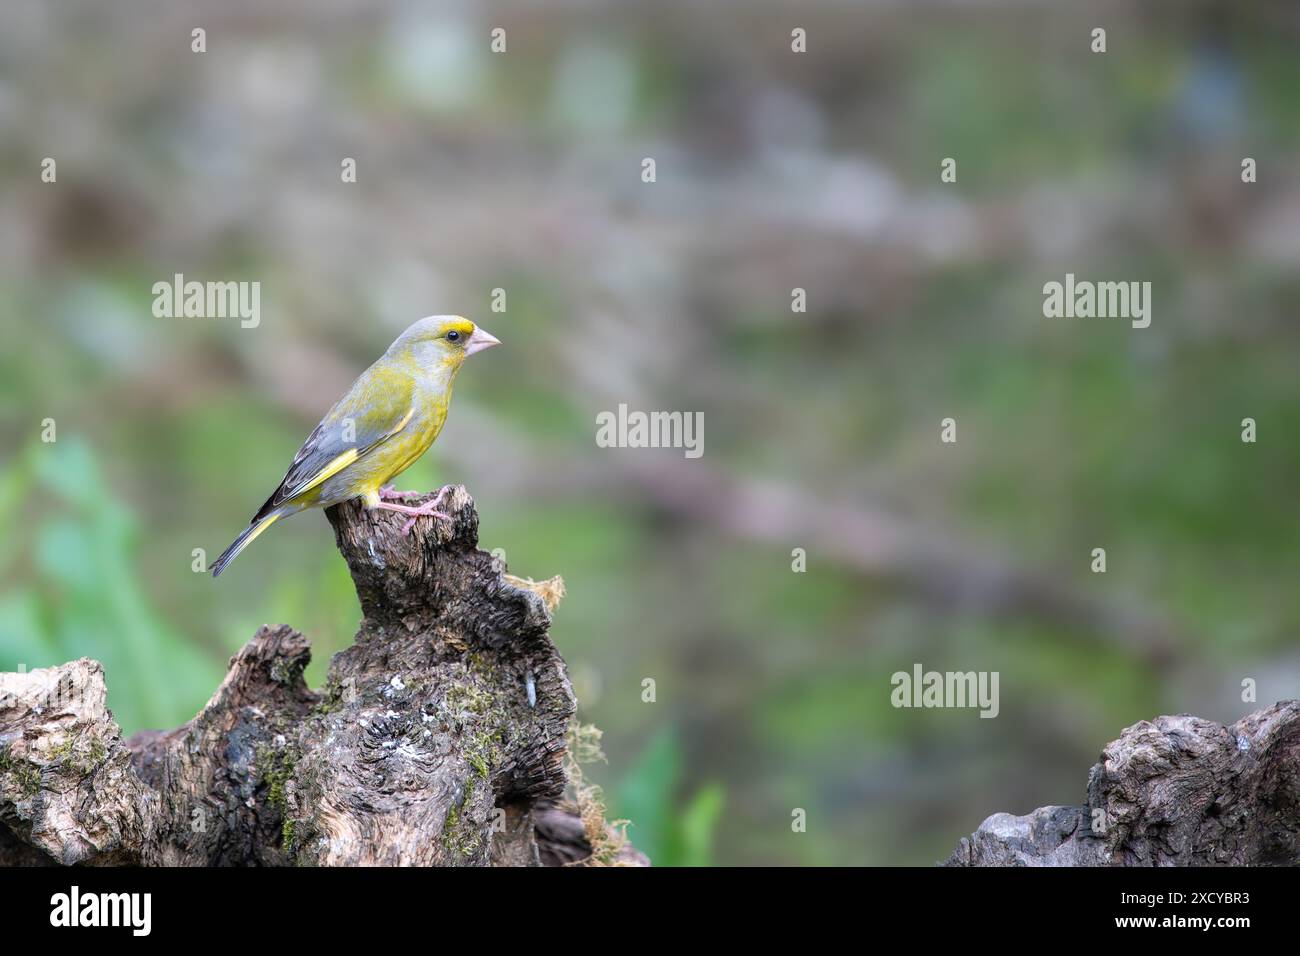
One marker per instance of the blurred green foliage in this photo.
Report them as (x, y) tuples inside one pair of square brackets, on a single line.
[(81, 595), (672, 831)]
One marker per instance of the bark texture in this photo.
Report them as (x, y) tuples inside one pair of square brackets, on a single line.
[(439, 738), (1177, 791)]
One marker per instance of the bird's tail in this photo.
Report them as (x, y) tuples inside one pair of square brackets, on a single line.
[(243, 541)]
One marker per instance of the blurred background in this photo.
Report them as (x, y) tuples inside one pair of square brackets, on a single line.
[(522, 171)]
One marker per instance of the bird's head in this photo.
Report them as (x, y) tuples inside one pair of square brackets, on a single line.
[(442, 341)]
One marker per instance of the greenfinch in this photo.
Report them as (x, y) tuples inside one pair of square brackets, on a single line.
[(386, 421)]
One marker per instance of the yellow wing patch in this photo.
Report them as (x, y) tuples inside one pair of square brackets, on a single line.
[(329, 471)]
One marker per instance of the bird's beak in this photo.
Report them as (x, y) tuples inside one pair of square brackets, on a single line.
[(480, 340)]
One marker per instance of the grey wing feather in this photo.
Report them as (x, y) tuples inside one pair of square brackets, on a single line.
[(342, 429)]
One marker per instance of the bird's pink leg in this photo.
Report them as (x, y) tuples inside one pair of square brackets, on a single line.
[(389, 493), (426, 510)]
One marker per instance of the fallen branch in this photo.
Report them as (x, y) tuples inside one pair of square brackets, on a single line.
[(439, 738), (1179, 791)]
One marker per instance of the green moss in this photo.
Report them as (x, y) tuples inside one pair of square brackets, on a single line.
[(64, 750), (333, 698), (459, 834), (484, 751), (82, 753), (482, 722), (275, 768), (468, 698), (29, 779), (480, 663), (27, 774)]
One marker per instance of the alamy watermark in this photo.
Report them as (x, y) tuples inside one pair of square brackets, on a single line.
[(75, 908), (949, 689), (179, 299), (636, 429), (1101, 300)]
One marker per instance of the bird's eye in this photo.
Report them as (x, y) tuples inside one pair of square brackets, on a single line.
[(453, 336)]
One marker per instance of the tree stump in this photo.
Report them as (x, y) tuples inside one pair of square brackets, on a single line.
[(438, 739), (1176, 791)]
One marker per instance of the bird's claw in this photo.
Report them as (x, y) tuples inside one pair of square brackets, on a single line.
[(426, 510)]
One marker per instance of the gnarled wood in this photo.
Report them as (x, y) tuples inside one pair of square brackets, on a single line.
[(1176, 791), (439, 738)]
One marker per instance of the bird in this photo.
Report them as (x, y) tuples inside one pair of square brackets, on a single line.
[(386, 421)]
